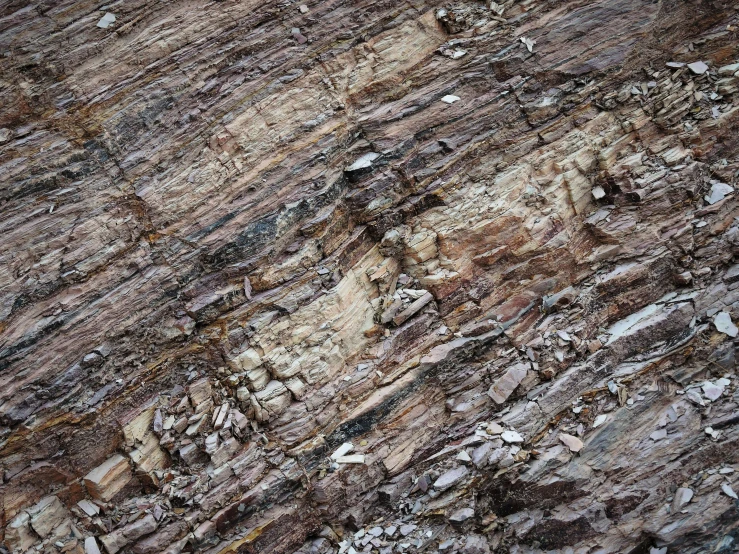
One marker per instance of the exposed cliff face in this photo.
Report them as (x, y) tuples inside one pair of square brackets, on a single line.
[(491, 246)]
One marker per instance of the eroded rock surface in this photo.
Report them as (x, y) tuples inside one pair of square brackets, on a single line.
[(484, 254)]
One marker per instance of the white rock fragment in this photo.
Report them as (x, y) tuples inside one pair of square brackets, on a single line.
[(728, 70), (106, 21), (695, 398), (511, 437), (573, 443), (450, 478), (728, 491), (351, 459), (221, 416), (726, 470), (598, 193), (682, 497), (88, 507), (494, 429), (712, 391), (168, 423), (711, 432), (463, 457), (462, 515), (723, 324), (600, 420), (529, 43), (364, 162), (699, 68), (342, 450), (91, 546), (407, 529), (718, 192), (659, 434), (450, 99)]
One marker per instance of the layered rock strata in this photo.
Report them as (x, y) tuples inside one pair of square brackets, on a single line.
[(383, 277)]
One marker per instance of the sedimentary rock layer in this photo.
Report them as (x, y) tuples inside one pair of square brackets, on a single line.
[(369, 276)]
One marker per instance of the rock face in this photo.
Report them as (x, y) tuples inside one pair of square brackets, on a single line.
[(493, 246)]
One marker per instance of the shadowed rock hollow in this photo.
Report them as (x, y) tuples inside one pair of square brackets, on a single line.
[(353, 276)]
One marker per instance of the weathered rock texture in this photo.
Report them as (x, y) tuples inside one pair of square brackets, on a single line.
[(491, 246)]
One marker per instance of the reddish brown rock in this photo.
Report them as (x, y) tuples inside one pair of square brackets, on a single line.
[(492, 245)]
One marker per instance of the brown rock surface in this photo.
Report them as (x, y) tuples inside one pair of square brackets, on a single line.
[(237, 235)]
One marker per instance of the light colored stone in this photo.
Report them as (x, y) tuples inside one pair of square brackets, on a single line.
[(47, 514), (91, 546), (109, 478), (571, 442), (681, 498), (18, 534), (364, 162), (699, 68), (511, 437), (451, 478), (88, 507), (351, 459), (200, 392), (275, 397), (461, 515), (494, 429), (712, 391), (718, 192), (106, 21), (344, 449), (728, 491), (723, 324), (504, 387), (249, 359)]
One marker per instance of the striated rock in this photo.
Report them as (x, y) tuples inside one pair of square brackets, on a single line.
[(450, 478), (47, 514), (109, 478), (504, 387), (237, 240), (18, 534), (118, 539)]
